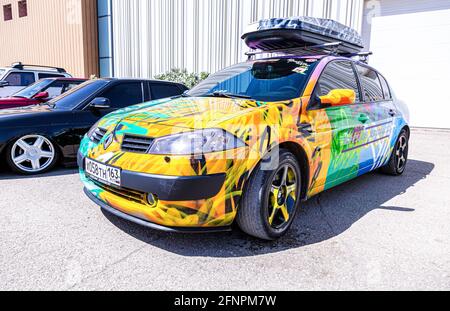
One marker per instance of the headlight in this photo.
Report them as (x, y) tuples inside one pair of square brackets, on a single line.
[(197, 142)]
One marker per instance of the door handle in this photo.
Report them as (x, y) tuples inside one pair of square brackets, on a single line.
[(392, 113), (363, 118)]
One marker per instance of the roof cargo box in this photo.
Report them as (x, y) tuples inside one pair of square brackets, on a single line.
[(286, 33)]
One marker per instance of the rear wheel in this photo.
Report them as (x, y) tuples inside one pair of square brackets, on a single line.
[(32, 154), (270, 203), (399, 158)]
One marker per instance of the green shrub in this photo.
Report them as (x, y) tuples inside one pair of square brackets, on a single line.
[(183, 76)]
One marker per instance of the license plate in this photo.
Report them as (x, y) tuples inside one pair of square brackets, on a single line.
[(103, 173)]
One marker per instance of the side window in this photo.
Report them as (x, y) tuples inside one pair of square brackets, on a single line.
[(49, 75), (124, 94), (20, 78), (371, 84), (337, 75), (163, 90), (55, 89), (386, 89)]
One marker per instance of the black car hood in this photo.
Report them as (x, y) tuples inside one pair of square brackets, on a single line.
[(36, 109), (33, 116)]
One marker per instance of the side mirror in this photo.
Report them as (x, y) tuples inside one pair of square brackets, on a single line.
[(41, 95), (4, 83), (100, 103), (339, 97)]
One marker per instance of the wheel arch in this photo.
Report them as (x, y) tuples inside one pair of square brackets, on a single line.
[(407, 129), (302, 159)]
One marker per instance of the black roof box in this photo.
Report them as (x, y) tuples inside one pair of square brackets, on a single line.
[(287, 33)]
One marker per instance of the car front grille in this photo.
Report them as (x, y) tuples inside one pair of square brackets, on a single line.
[(136, 144), (98, 135)]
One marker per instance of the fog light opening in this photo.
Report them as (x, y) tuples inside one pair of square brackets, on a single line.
[(152, 199)]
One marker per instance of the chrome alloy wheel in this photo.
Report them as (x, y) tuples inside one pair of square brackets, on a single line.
[(32, 153), (283, 197), (401, 154)]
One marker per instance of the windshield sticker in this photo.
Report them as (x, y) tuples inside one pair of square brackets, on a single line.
[(301, 69)]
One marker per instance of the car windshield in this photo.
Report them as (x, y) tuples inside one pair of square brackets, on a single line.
[(2, 72), (33, 89), (267, 80), (77, 95)]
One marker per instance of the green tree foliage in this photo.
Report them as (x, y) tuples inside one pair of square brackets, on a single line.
[(183, 76)]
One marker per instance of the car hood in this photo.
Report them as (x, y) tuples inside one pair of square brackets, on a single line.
[(35, 109), (182, 112), (16, 101)]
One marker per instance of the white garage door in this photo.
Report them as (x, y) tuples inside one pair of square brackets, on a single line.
[(413, 52)]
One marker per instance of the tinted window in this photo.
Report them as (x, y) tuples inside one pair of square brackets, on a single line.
[(33, 89), (264, 80), (337, 75), (371, 84), (386, 90), (78, 95), (20, 78), (124, 94), (49, 75), (163, 90), (59, 87)]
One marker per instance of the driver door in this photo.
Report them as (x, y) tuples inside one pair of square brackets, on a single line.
[(337, 128)]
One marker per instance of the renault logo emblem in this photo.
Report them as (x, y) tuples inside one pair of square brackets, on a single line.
[(108, 142)]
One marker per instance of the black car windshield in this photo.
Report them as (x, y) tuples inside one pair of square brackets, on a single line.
[(77, 95), (268, 80), (33, 89)]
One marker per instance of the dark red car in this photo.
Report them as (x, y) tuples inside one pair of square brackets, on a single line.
[(40, 92)]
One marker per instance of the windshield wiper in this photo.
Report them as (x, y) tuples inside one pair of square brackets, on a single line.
[(229, 95)]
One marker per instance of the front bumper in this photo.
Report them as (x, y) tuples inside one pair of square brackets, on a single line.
[(151, 225), (171, 188)]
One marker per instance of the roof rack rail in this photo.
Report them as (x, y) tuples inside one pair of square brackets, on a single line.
[(331, 48), (363, 56), (20, 66)]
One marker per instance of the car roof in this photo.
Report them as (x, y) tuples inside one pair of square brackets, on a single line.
[(139, 79), (66, 79)]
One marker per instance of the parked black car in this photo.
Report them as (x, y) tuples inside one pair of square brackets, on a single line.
[(34, 139)]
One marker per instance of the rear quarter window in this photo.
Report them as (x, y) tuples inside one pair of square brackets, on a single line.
[(49, 75)]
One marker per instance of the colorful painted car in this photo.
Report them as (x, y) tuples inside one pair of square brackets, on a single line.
[(247, 145)]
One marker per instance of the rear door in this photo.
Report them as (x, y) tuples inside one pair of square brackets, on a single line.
[(376, 120)]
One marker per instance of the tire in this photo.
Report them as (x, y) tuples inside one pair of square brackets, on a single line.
[(31, 155), (261, 214), (399, 158)]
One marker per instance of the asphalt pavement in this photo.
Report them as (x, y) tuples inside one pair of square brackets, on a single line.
[(374, 233)]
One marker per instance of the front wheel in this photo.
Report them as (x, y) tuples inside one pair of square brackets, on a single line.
[(399, 158), (270, 202), (31, 154)]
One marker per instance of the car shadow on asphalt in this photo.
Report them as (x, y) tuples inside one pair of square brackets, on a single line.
[(321, 218), (6, 174)]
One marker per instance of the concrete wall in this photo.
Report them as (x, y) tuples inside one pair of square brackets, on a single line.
[(59, 33)]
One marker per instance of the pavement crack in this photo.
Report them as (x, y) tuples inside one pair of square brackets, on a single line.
[(324, 216), (107, 267)]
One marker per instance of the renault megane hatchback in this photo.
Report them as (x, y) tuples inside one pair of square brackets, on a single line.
[(249, 144)]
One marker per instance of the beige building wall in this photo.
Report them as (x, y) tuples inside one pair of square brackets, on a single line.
[(61, 33)]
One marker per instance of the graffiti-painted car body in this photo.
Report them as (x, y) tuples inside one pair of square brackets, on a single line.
[(203, 189)]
